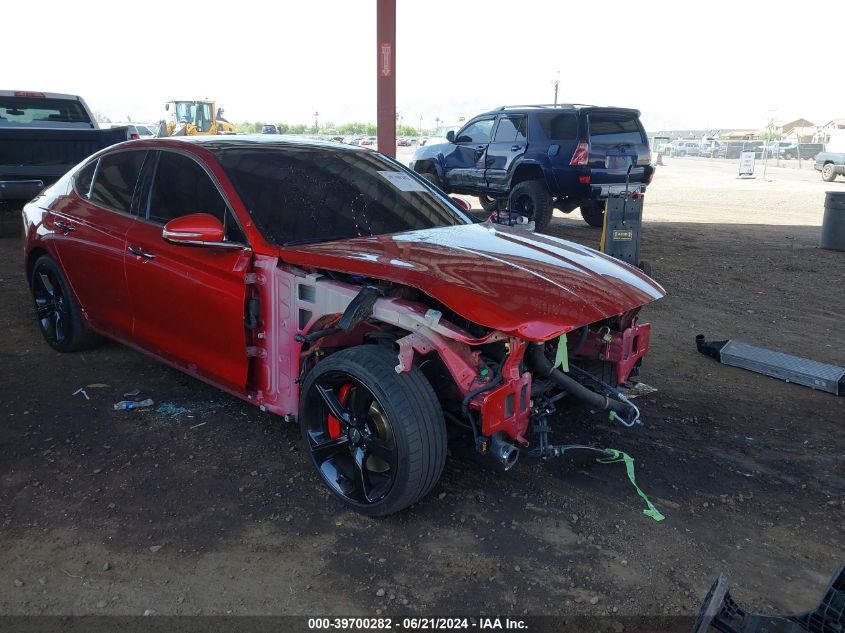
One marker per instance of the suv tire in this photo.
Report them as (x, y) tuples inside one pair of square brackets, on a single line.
[(488, 203), (531, 199), (593, 212), (829, 172), (433, 178)]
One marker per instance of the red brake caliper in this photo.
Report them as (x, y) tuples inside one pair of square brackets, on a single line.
[(334, 423)]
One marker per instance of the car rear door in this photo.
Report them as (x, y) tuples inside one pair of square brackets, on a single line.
[(90, 237), (188, 302), (617, 142), (465, 165), (508, 145)]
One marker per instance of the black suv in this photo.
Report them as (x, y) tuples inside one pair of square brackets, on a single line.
[(533, 159)]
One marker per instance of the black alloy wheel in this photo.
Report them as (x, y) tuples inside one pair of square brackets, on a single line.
[(376, 437), (59, 316), (51, 309), (351, 440)]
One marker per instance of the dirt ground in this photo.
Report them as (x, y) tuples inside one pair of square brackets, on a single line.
[(216, 511)]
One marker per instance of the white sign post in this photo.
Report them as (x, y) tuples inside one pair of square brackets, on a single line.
[(746, 165)]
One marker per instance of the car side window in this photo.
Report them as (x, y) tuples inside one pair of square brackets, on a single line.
[(83, 178), (559, 127), (115, 179), (478, 132), (182, 187), (511, 130)]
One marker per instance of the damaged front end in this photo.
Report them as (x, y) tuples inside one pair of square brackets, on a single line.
[(500, 387)]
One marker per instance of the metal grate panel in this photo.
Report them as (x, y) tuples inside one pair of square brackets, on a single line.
[(810, 373)]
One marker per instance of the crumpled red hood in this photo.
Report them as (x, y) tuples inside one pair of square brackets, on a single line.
[(525, 284)]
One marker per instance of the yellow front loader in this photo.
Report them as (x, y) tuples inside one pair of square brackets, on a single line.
[(195, 118)]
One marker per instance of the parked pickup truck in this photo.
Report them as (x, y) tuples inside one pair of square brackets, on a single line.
[(43, 135), (831, 164), (832, 161)]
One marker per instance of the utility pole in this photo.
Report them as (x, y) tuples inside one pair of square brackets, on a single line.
[(316, 122), (557, 83)]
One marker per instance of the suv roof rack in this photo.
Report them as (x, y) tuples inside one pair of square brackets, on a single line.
[(544, 105)]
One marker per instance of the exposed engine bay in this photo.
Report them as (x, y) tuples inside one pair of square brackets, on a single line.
[(501, 388)]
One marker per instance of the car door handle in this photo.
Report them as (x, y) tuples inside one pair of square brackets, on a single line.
[(480, 148), (516, 148), (140, 252), (64, 226)]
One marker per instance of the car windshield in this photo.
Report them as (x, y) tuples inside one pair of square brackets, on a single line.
[(302, 194)]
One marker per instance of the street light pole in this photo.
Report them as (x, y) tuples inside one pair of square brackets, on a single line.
[(557, 83)]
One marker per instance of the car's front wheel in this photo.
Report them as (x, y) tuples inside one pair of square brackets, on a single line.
[(376, 437), (433, 178), (59, 315), (531, 199), (488, 203), (593, 212), (829, 172)]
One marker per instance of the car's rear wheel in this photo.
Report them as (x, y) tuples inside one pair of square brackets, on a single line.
[(376, 437), (59, 315), (593, 212), (488, 203), (531, 199), (828, 172)]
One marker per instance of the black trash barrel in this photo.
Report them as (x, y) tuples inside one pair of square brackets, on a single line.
[(833, 224)]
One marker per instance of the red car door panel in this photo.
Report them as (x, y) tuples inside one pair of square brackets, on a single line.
[(89, 233), (90, 251), (188, 304)]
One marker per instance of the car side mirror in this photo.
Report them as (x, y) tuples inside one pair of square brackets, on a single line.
[(196, 229), (450, 136)]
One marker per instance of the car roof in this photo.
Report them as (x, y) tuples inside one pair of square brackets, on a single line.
[(549, 107), (226, 141)]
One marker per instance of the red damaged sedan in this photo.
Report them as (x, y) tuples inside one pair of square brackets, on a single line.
[(334, 287)]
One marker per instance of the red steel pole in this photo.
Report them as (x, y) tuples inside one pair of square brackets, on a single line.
[(386, 76)]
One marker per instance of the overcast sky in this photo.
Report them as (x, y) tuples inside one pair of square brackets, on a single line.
[(684, 64)]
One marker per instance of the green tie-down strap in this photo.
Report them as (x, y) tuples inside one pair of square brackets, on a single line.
[(562, 356), (615, 456)]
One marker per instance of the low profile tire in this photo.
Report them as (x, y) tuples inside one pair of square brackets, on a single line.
[(829, 172), (531, 199), (433, 178), (376, 438), (59, 315), (488, 203), (593, 212)]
